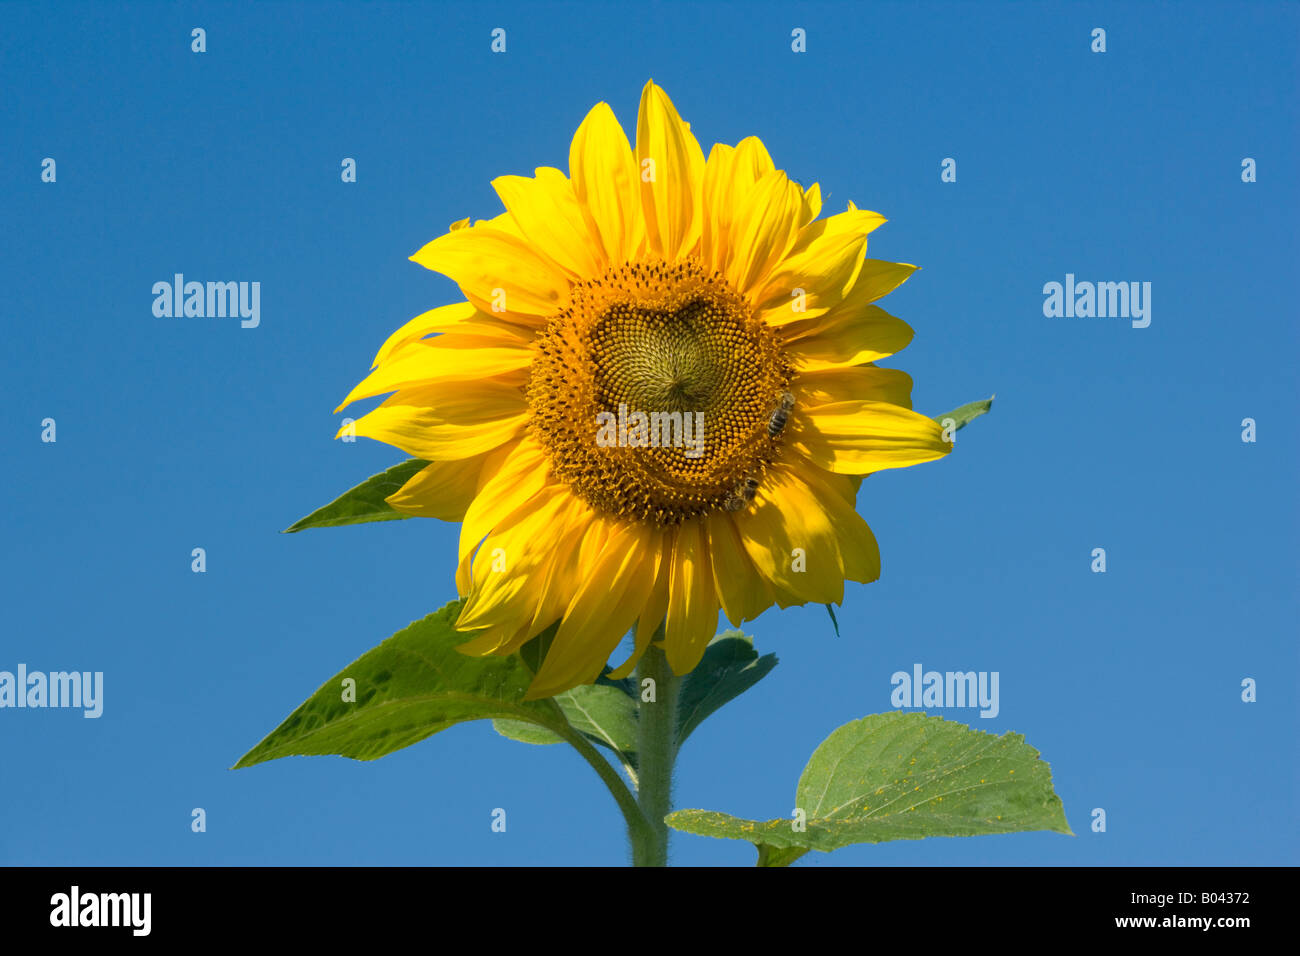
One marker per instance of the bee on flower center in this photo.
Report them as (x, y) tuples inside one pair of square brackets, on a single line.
[(741, 495), (780, 415)]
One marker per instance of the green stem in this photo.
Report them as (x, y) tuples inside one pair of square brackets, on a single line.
[(638, 827), (656, 752)]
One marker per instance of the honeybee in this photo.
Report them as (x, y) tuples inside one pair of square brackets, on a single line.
[(742, 495), (781, 415)]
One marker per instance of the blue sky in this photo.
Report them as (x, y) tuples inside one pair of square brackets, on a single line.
[(174, 434)]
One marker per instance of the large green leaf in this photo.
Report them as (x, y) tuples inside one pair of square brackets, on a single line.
[(604, 713), (901, 776), (965, 414), (412, 685), (730, 666), (365, 502)]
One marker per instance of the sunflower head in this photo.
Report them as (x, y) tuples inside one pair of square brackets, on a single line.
[(683, 348), (657, 401)]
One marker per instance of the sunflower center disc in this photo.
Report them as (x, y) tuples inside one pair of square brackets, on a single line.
[(652, 392)]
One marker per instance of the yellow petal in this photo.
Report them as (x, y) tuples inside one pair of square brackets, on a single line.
[(729, 179), (447, 420), (551, 580), (523, 474), (753, 162), (878, 278), (692, 601), (791, 539), (742, 591), (561, 576), (812, 280), (764, 230), (857, 438), (719, 205), (496, 460), (593, 543), (605, 181), (863, 383), (670, 184), (441, 319), (813, 196), (488, 640), (854, 339), (600, 613), (654, 610), (447, 358), (463, 574), (497, 271), (858, 551), (442, 489), (550, 217), (504, 567), (825, 262), (853, 221), (875, 280)]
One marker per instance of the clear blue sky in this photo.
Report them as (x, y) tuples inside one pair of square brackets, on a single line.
[(182, 433)]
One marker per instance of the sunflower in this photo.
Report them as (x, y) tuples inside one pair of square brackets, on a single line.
[(657, 401)]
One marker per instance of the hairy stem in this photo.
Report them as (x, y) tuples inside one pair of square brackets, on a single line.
[(656, 753)]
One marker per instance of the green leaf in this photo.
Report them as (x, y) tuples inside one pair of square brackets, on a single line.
[(411, 686), (602, 713), (901, 776), (605, 715), (365, 502), (831, 611), (729, 667), (967, 413), (525, 733)]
